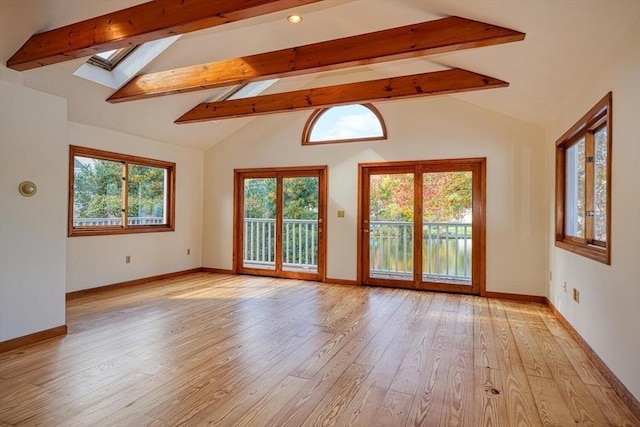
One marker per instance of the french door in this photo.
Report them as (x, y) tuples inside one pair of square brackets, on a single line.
[(280, 216), (422, 225)]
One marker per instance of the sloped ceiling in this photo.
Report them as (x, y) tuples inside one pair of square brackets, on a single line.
[(564, 39)]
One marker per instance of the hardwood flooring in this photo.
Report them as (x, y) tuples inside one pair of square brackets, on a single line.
[(212, 349)]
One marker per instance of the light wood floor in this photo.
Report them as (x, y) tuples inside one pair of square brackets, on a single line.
[(208, 349)]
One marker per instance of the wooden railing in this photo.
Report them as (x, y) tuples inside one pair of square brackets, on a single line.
[(446, 247), (117, 221), (299, 241), (446, 250)]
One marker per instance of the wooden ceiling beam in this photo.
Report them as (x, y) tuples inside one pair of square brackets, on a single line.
[(394, 88), (431, 37), (136, 25)]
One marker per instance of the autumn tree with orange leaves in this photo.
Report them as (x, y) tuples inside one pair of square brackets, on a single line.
[(447, 196)]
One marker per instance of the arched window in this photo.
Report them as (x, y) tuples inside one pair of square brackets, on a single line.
[(344, 123)]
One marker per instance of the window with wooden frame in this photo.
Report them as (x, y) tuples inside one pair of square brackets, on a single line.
[(583, 185), (111, 59), (111, 193), (344, 123)]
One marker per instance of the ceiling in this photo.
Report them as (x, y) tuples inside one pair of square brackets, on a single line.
[(564, 40)]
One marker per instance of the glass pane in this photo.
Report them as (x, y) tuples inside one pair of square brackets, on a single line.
[(147, 197), (108, 55), (110, 59), (391, 207), (259, 223), (346, 122), (600, 185), (300, 224), (446, 227), (575, 190), (97, 192)]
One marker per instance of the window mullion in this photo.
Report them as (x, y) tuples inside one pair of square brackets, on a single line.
[(589, 186), (125, 195), (418, 220)]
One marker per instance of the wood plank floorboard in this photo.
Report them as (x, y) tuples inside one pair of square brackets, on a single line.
[(209, 349), (385, 353), (490, 408), (521, 406)]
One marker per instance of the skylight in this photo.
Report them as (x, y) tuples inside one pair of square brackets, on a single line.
[(244, 90), (252, 89), (110, 59), (116, 67)]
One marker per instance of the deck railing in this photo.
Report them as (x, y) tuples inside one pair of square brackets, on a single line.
[(446, 250), (446, 247), (114, 222), (299, 241)]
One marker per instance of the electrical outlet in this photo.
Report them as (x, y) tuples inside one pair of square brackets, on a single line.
[(564, 287), (188, 251), (576, 295), (340, 214), (127, 259)]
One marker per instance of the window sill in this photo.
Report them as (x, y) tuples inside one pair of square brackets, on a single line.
[(588, 251), (107, 231)]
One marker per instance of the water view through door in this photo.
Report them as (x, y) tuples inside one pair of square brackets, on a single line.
[(422, 225), (391, 209), (280, 222), (447, 227)]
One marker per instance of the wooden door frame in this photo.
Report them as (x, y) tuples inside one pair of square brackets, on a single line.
[(475, 165), (238, 218)]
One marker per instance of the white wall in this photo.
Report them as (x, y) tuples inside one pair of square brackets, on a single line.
[(100, 260), (418, 130), (608, 315), (38, 263), (33, 146)]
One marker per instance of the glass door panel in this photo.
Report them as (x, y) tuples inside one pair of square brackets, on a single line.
[(446, 227), (279, 223), (300, 227), (390, 226), (259, 229), (422, 225)]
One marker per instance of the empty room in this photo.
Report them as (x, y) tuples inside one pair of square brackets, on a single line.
[(319, 213)]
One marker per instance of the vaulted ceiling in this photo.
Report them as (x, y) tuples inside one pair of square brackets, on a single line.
[(562, 39)]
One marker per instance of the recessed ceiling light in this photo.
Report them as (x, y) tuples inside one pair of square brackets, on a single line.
[(294, 19)]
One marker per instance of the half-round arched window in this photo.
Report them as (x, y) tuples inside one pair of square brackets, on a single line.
[(344, 123)]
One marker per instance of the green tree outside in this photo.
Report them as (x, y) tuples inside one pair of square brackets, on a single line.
[(300, 198), (146, 192), (98, 190), (300, 202)]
